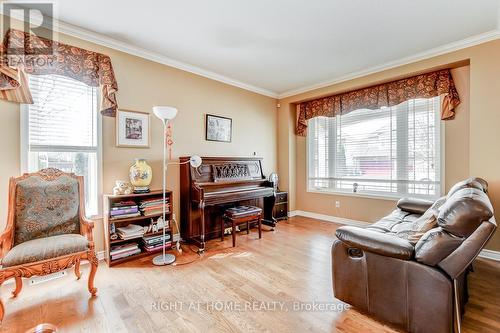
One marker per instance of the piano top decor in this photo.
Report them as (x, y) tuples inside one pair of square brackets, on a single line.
[(231, 171)]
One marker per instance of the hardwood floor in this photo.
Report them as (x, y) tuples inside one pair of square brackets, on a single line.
[(288, 267)]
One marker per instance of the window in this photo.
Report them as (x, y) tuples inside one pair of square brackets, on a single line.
[(60, 130), (393, 151)]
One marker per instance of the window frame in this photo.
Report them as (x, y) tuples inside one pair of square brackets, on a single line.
[(382, 196), (24, 145)]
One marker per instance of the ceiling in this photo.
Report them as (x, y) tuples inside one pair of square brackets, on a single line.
[(282, 46)]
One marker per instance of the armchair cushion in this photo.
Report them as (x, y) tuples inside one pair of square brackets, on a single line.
[(435, 245), (45, 248), (464, 211), (376, 242), (414, 205), (46, 207), (473, 182), (420, 226)]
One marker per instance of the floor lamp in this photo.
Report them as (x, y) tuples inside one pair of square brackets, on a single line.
[(167, 114)]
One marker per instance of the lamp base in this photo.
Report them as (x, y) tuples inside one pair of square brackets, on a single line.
[(161, 260)]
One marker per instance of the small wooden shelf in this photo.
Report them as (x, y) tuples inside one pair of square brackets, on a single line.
[(109, 200)]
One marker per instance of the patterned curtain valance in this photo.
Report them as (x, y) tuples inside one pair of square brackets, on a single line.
[(21, 54), (428, 85)]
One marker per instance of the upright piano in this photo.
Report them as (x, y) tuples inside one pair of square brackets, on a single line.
[(220, 183)]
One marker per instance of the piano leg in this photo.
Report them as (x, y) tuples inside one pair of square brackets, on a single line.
[(201, 250)]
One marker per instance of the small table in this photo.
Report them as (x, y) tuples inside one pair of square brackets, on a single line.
[(241, 214)]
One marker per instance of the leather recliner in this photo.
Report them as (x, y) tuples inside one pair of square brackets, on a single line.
[(399, 272)]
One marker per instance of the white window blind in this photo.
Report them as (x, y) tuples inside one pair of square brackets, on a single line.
[(391, 151), (62, 130)]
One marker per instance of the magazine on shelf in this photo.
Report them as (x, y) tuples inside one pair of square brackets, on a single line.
[(148, 248), (118, 249), (124, 207), (125, 254), (117, 217), (124, 211)]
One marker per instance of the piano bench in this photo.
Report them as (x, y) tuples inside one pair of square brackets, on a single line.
[(241, 214)]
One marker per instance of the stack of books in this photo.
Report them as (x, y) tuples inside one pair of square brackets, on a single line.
[(130, 231), (153, 206), (125, 250), (124, 209), (155, 242)]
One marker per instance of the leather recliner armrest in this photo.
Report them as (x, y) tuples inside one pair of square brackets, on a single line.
[(414, 205), (376, 242)]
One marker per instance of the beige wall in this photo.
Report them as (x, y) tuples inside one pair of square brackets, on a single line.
[(471, 139), (143, 84)]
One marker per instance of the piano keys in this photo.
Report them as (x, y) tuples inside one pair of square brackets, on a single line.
[(220, 183)]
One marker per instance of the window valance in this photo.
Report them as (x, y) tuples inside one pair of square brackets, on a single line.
[(439, 83), (22, 54)]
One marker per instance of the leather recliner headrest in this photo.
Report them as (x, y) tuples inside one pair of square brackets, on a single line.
[(464, 211), (473, 182)]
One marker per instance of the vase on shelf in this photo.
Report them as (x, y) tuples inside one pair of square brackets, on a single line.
[(140, 176)]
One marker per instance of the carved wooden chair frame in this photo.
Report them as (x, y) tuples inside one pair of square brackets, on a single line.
[(52, 265)]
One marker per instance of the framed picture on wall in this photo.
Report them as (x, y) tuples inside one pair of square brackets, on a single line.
[(218, 128), (132, 129)]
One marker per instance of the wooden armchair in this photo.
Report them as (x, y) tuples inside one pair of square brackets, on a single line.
[(46, 228)]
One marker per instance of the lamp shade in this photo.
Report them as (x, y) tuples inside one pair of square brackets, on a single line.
[(195, 161), (165, 112)]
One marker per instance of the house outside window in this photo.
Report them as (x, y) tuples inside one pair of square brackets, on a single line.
[(390, 152)]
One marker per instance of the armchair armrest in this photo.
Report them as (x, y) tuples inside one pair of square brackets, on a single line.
[(87, 222), (5, 244), (376, 242), (4, 235), (88, 225), (414, 205), (464, 255)]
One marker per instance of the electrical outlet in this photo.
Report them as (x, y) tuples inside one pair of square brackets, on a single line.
[(337, 204)]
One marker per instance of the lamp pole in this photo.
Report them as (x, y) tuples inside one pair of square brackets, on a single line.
[(163, 259)]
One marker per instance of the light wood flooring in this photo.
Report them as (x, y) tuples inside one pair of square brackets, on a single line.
[(288, 267)]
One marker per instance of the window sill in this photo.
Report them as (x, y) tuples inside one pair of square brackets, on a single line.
[(369, 195)]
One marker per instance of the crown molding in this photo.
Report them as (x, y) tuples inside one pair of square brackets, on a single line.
[(112, 43), (101, 39), (447, 48), (115, 44)]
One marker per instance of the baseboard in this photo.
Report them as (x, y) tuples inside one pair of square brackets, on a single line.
[(490, 254), (100, 255), (328, 218), (486, 254)]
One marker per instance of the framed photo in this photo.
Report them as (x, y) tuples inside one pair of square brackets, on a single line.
[(218, 128), (132, 129)]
